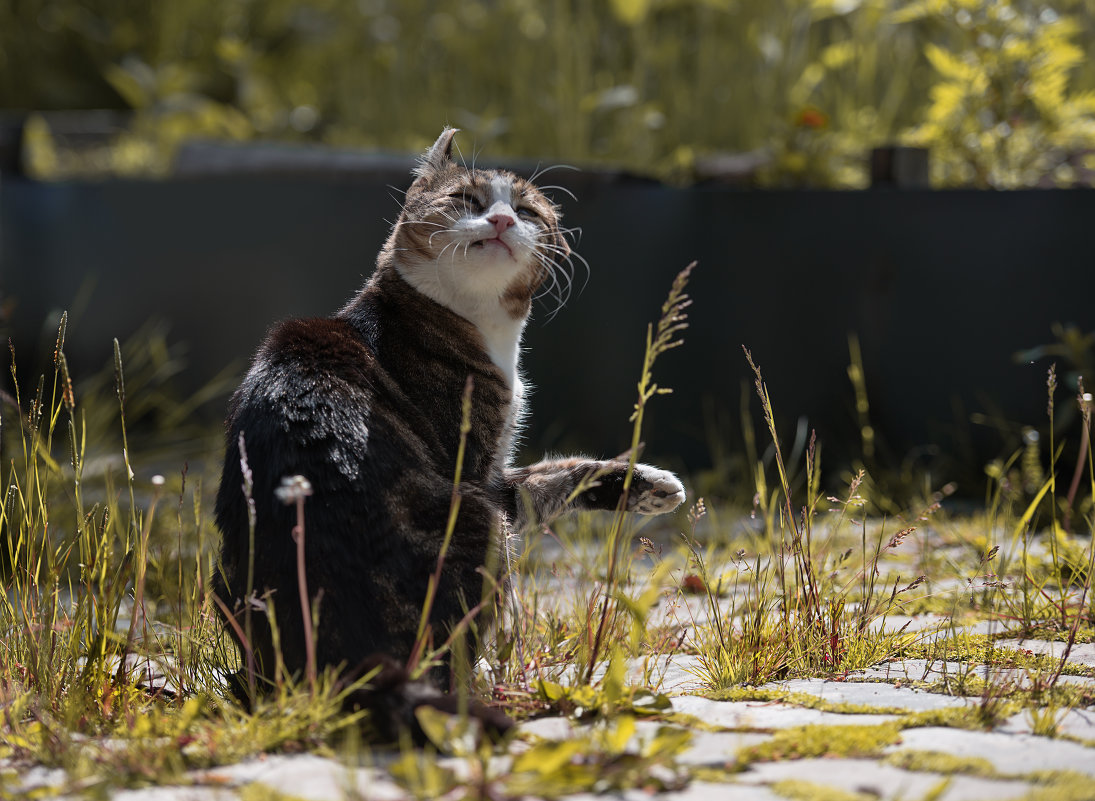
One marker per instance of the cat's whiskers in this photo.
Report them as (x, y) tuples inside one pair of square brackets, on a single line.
[(454, 244), (561, 270), (558, 188), (569, 255), (442, 231), (555, 289), (574, 233), (543, 170)]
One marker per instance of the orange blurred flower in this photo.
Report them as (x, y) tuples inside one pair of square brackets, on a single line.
[(811, 117)]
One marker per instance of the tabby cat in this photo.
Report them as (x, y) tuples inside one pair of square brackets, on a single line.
[(367, 406)]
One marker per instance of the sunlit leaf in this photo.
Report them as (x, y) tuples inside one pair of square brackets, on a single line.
[(544, 758), (617, 736), (630, 12), (667, 741), (647, 702)]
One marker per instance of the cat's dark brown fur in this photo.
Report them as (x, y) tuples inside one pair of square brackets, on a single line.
[(367, 406)]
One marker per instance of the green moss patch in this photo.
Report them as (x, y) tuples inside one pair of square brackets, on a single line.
[(1061, 786), (805, 742), (799, 699), (940, 762), (798, 790)]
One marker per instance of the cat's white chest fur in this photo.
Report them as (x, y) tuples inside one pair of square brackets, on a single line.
[(502, 339)]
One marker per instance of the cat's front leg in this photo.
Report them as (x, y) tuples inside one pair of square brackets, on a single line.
[(546, 489)]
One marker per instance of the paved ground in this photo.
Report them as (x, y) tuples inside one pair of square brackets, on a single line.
[(879, 733), (907, 761)]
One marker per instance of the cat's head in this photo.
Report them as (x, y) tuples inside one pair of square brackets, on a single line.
[(472, 238)]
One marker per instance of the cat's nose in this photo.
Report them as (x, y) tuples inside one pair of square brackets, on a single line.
[(501, 221)]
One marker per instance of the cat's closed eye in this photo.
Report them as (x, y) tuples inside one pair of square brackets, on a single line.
[(526, 213), (471, 202)]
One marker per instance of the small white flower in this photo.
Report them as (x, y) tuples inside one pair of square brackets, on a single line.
[(293, 489)]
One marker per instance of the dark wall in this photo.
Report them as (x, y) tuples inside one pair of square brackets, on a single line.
[(941, 288)]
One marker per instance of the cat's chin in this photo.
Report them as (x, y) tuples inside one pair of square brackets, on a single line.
[(468, 281)]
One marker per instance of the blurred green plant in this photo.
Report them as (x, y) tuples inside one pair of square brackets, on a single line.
[(999, 90), (1005, 111), (649, 85)]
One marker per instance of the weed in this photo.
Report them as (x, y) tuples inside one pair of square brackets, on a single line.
[(790, 611)]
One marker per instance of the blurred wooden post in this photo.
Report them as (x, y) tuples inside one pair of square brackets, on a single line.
[(900, 167), (11, 145)]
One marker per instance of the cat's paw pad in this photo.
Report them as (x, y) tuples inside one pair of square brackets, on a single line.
[(654, 491)]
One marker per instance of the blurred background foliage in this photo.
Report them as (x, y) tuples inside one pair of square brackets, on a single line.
[(999, 90)]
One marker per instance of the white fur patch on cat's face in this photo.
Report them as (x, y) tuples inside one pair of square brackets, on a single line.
[(486, 245), (490, 240)]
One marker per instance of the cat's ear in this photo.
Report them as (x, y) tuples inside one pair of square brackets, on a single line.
[(438, 156)]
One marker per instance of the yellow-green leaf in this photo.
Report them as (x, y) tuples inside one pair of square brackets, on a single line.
[(630, 12)]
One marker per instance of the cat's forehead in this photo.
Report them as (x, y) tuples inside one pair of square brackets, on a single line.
[(498, 182), (488, 183)]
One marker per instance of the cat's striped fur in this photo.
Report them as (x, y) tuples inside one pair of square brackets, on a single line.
[(367, 406)]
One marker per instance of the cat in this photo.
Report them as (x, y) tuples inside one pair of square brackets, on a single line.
[(367, 405)]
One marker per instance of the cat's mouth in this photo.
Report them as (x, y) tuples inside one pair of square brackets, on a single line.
[(493, 242)]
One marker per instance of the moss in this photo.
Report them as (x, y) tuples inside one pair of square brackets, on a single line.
[(713, 775), (1060, 786), (940, 762), (799, 699), (257, 791), (1060, 696), (798, 790), (981, 649), (974, 717), (804, 742), (1057, 634)]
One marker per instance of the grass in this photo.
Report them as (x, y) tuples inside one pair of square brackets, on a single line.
[(106, 570)]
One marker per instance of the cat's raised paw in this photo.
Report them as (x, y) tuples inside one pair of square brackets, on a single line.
[(654, 491)]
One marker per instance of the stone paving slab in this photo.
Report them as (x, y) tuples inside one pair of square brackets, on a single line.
[(1079, 723), (911, 670), (718, 749), (674, 674), (176, 794), (929, 623), (934, 670), (767, 716), (307, 776), (696, 791), (707, 748), (680, 674), (34, 777), (869, 694), (1082, 653), (883, 781), (1008, 753)]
